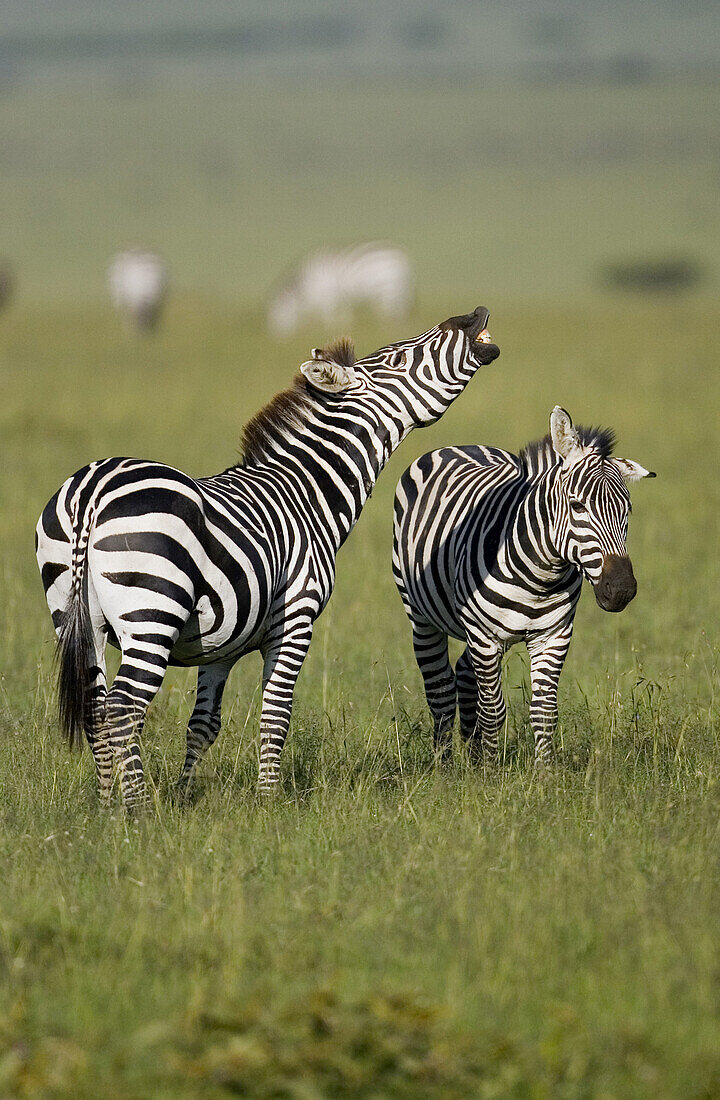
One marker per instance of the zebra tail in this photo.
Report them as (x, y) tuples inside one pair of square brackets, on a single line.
[(75, 649)]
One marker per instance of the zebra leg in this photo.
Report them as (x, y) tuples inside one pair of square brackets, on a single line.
[(467, 691), (204, 724), (136, 684), (95, 720), (486, 657), (94, 714), (547, 657), (283, 660), (431, 654)]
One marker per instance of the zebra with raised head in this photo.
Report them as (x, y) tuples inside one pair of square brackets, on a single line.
[(174, 570), (329, 285), (491, 548)]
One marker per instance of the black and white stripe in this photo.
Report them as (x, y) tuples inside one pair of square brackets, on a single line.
[(329, 285), (199, 572), (491, 548)]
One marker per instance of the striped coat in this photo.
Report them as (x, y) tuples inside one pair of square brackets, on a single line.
[(492, 548), (177, 570)]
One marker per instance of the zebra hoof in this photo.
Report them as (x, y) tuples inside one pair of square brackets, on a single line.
[(269, 792)]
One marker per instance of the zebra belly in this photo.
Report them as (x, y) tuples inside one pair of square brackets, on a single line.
[(511, 614)]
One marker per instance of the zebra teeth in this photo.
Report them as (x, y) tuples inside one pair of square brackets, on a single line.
[(484, 337)]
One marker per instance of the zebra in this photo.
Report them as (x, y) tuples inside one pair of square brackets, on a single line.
[(328, 284), (491, 548), (137, 281), (174, 570)]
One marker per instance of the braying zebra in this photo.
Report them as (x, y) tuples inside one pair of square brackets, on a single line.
[(137, 281), (329, 285), (491, 548), (174, 570)]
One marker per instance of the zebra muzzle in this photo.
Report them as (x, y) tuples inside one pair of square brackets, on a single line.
[(616, 586)]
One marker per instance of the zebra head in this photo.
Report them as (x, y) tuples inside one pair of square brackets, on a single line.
[(414, 380), (593, 507)]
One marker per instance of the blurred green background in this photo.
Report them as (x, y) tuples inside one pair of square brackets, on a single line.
[(386, 928), (515, 150)]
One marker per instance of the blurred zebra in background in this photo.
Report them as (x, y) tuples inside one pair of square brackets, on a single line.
[(328, 286), (491, 548), (174, 570), (137, 281)]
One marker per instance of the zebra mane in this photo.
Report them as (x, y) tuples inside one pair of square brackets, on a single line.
[(288, 409), (285, 410), (342, 351), (540, 455)]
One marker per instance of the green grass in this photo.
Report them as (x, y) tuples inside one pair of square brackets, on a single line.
[(507, 191), (384, 928)]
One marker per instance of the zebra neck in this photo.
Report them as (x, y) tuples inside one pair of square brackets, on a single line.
[(333, 459), (535, 526)]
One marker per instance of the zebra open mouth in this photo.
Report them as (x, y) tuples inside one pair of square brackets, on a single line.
[(482, 349), (481, 343)]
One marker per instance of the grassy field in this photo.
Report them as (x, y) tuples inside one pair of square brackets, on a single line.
[(528, 190), (384, 928)]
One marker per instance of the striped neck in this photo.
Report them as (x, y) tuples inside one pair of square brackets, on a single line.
[(333, 456), (536, 515)]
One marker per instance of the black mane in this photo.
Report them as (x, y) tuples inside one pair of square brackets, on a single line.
[(286, 410), (540, 455)]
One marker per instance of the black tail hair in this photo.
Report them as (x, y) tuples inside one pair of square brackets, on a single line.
[(74, 652)]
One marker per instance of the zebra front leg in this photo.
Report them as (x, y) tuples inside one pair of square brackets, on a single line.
[(204, 724), (486, 658), (431, 653), (547, 657), (283, 660), (136, 684)]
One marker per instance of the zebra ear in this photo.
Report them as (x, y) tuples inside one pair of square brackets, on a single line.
[(327, 375), (632, 471), (564, 437)]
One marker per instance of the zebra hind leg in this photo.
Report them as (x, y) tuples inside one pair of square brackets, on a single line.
[(136, 684), (95, 722), (204, 724), (283, 660), (94, 713), (431, 653)]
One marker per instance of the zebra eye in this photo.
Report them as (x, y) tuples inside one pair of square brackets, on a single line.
[(577, 506), (397, 359)]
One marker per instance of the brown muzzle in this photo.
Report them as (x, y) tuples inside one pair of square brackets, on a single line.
[(617, 584)]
